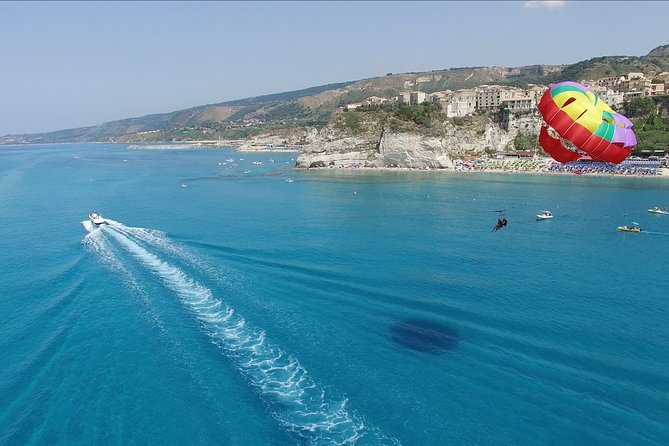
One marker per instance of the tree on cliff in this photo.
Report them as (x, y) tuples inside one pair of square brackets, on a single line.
[(650, 126)]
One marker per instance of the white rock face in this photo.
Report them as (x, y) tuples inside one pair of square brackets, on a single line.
[(380, 146), (412, 150)]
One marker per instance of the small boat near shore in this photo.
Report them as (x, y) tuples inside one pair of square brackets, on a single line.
[(657, 210), (629, 228), (96, 218), (544, 215)]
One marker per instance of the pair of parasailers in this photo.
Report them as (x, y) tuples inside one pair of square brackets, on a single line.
[(501, 222)]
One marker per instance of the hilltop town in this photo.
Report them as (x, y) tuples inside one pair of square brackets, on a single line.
[(459, 103)]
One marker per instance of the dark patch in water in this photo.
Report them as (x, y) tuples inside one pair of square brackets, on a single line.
[(423, 335)]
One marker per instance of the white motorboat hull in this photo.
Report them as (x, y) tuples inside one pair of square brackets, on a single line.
[(544, 217), (96, 218)]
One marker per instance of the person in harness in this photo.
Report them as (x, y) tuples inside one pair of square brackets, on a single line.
[(501, 222)]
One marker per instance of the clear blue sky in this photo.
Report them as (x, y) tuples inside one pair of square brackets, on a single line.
[(75, 64)]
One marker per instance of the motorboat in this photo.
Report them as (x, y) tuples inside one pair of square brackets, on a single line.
[(657, 210), (184, 185), (96, 218), (629, 228), (545, 215)]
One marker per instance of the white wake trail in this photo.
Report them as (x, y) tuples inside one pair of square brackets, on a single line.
[(296, 401), (158, 239)]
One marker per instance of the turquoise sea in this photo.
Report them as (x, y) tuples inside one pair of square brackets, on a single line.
[(345, 307)]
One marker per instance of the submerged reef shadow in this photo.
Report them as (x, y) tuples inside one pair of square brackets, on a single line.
[(423, 335)]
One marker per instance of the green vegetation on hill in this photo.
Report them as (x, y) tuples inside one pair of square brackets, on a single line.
[(527, 141), (651, 125), (423, 115), (660, 51), (287, 96), (608, 66)]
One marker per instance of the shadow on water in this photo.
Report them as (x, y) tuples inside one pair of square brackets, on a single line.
[(424, 336)]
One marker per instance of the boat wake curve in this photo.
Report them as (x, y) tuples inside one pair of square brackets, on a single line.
[(656, 233), (296, 401)]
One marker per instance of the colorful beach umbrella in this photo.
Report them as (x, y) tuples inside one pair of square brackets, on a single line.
[(581, 117)]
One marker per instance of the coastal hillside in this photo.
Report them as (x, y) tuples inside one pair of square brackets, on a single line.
[(313, 108)]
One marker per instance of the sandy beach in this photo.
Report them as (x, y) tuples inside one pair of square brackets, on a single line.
[(539, 166)]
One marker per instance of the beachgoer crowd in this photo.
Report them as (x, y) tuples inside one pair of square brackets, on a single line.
[(627, 167), (631, 166)]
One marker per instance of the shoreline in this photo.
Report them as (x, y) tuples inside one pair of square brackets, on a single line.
[(662, 172), (182, 146), (232, 145)]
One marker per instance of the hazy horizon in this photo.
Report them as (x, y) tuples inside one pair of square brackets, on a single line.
[(78, 64)]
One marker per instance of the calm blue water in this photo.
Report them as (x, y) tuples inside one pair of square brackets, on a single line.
[(343, 308)]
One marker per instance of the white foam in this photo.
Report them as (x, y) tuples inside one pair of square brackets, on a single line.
[(159, 240), (90, 227), (298, 403)]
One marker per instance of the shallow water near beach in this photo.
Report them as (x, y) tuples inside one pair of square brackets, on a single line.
[(344, 307)]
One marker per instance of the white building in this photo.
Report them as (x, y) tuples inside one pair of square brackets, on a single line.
[(612, 98), (521, 103), (462, 103), (417, 97), (612, 82), (657, 89), (404, 97), (489, 97), (374, 100), (440, 97)]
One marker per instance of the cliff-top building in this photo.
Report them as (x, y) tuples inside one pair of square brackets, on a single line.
[(462, 103), (489, 97), (404, 97), (417, 97)]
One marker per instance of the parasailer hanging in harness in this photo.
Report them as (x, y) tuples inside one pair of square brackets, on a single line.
[(501, 221)]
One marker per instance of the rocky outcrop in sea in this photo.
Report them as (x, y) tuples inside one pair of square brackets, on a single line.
[(382, 141)]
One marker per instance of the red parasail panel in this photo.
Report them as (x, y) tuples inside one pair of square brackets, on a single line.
[(555, 148)]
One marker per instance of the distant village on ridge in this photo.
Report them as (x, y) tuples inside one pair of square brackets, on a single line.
[(459, 103)]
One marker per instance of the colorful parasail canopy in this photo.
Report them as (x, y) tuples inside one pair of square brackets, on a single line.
[(581, 117)]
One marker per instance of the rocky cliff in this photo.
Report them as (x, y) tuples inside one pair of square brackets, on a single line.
[(379, 140)]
